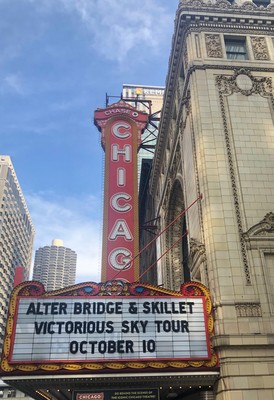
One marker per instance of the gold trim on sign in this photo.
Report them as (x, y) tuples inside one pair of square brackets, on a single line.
[(92, 289)]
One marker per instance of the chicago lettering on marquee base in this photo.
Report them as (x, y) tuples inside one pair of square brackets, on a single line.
[(121, 126), (120, 394), (96, 326)]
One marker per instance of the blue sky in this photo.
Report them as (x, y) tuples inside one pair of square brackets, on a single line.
[(58, 59)]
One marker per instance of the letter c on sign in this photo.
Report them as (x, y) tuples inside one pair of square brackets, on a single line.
[(119, 207), (116, 129), (120, 259)]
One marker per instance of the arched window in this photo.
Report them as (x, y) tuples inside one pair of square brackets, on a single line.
[(177, 268)]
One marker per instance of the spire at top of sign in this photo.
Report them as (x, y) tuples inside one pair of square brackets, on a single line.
[(120, 109), (121, 104)]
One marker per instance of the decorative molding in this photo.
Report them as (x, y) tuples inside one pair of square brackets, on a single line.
[(259, 48), (167, 194), (248, 310), (197, 256), (198, 189), (174, 203), (250, 6), (173, 168), (226, 86), (242, 81), (213, 45), (224, 5), (185, 57), (263, 229)]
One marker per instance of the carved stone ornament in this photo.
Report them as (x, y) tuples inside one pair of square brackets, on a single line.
[(242, 81), (167, 194), (224, 4), (248, 310), (259, 48), (195, 3), (263, 228), (213, 46), (175, 162), (206, 4), (197, 251), (249, 6)]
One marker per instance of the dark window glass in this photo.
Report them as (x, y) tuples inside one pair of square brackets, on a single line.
[(236, 48), (259, 3)]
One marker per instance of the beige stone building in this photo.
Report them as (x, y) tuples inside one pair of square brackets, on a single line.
[(216, 138)]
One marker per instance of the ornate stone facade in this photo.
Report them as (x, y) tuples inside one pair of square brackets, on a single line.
[(216, 139), (259, 47), (213, 46)]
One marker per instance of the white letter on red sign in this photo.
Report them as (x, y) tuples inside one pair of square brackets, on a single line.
[(120, 228), (117, 132), (114, 202), (125, 151), (121, 177), (120, 259)]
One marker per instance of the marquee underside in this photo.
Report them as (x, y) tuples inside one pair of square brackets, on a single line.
[(61, 387)]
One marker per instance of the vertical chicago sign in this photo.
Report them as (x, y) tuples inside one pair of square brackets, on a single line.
[(121, 126)]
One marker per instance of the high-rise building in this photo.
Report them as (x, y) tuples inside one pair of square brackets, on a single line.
[(141, 95), (8, 392), (216, 138), (55, 266), (16, 235)]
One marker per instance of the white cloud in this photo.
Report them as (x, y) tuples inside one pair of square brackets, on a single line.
[(121, 28), (73, 220), (13, 83)]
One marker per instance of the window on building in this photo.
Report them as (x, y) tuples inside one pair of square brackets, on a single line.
[(1, 393), (259, 3), (236, 48), (12, 393)]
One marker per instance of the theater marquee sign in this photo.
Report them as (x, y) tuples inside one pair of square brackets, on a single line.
[(108, 325)]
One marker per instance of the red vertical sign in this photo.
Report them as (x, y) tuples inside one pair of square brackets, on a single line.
[(121, 126)]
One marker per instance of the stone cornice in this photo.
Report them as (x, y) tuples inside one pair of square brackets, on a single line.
[(223, 6)]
